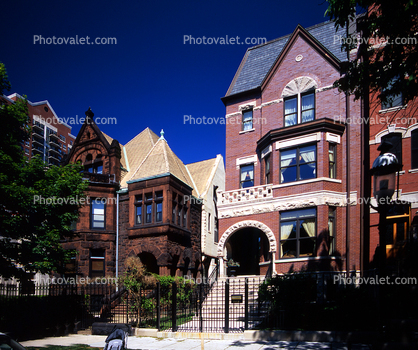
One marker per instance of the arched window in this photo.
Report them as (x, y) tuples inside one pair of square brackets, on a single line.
[(299, 101)]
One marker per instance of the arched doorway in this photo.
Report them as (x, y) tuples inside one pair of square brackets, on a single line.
[(150, 262), (247, 248), (249, 243)]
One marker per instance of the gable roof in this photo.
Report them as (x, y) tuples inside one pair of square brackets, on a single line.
[(259, 60), (89, 123), (201, 173)]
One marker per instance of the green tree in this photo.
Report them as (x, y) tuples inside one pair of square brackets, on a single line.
[(387, 60), (38, 202)]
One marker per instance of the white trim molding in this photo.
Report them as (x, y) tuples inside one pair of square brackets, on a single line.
[(299, 85), (248, 105), (246, 160), (244, 224), (266, 151), (295, 141), (296, 201), (334, 138)]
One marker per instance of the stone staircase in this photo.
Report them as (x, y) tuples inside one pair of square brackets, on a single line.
[(213, 308)]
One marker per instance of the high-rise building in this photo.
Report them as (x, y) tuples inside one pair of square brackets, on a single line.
[(51, 138)]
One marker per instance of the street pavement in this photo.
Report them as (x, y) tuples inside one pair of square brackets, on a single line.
[(148, 343)]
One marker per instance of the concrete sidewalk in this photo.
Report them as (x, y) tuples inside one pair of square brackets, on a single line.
[(188, 344)]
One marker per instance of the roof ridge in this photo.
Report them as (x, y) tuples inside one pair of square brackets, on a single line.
[(212, 174), (167, 166), (193, 182), (176, 158)]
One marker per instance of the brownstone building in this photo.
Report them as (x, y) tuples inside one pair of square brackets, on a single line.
[(143, 201), (292, 160)]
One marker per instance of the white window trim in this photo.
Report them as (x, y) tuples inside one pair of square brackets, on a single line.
[(334, 138), (246, 131), (246, 160), (248, 105), (266, 151), (299, 140)]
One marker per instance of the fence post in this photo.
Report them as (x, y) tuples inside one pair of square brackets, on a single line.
[(246, 303), (200, 307), (158, 306), (227, 306), (174, 307)]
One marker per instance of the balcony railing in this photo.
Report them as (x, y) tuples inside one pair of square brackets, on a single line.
[(38, 130), (99, 178), (243, 195)]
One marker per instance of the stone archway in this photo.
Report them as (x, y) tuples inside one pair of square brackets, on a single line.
[(243, 225)]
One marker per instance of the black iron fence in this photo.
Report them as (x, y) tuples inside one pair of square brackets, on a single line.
[(56, 309)]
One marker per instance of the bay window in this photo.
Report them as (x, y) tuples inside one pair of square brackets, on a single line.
[(298, 164)]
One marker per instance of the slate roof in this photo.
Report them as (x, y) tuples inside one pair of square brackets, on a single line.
[(258, 60)]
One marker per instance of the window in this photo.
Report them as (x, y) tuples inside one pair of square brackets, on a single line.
[(332, 215), (299, 109), (62, 137), (97, 263), (179, 212), (247, 119), (267, 169), (138, 209), (148, 208), (209, 220), (414, 149), (185, 216), (392, 100), (97, 219), (159, 206), (396, 140), (247, 176), (298, 164), (64, 147), (297, 233), (332, 152)]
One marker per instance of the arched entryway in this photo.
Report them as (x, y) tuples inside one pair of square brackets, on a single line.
[(149, 261), (247, 248), (249, 244)]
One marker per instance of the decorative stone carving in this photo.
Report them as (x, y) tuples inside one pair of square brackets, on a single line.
[(246, 195), (243, 224), (299, 85)]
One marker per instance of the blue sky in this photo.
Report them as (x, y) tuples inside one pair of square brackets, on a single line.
[(150, 78)]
